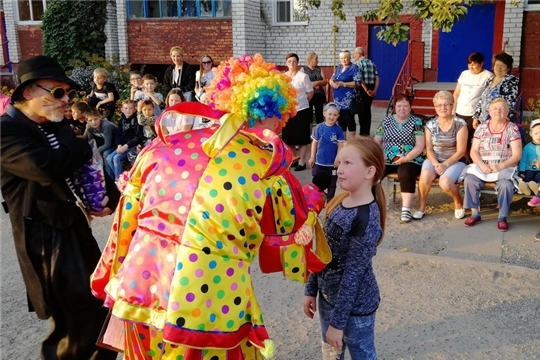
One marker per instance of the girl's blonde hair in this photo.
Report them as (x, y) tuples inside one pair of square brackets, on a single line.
[(371, 154)]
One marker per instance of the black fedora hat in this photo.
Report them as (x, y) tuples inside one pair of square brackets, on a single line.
[(40, 67)]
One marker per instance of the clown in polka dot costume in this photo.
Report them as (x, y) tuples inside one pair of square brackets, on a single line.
[(195, 210)]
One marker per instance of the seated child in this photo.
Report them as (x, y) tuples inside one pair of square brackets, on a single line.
[(529, 165), (68, 115), (328, 138), (173, 122), (100, 130), (128, 135), (78, 124), (146, 119), (148, 92), (135, 79), (103, 94)]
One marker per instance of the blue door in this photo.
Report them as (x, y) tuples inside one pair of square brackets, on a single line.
[(475, 33), (389, 60)]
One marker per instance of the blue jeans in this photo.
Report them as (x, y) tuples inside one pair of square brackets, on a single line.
[(113, 163), (358, 335)]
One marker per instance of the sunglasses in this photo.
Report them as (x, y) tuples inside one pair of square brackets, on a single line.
[(206, 62), (59, 92)]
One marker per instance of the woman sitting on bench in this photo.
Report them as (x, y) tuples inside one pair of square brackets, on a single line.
[(496, 147), (402, 138), (446, 144)]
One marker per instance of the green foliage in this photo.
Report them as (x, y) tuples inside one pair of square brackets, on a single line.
[(72, 28), (533, 104)]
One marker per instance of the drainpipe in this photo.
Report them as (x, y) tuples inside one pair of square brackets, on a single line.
[(4, 39)]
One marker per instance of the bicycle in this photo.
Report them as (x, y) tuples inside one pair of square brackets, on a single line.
[(410, 93)]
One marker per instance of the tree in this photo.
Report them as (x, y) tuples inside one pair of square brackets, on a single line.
[(443, 14), (72, 29)]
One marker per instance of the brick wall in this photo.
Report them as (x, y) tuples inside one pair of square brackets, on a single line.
[(149, 41), (530, 55), (513, 27), (33, 40), (316, 36), (249, 28), (11, 31), (111, 27)]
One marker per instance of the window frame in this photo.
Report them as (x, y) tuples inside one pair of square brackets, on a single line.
[(283, 23), (198, 14), (531, 7), (28, 22)]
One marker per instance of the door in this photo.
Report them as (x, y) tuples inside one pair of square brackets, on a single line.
[(475, 33), (388, 59)]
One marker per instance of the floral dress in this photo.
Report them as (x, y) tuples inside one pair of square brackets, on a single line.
[(193, 215), (507, 88)]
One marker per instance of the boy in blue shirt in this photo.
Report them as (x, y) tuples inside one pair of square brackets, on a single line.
[(327, 138)]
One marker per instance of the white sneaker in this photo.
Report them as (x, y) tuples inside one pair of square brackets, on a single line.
[(534, 187), (459, 213)]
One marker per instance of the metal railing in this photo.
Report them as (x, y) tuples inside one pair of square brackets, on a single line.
[(404, 78)]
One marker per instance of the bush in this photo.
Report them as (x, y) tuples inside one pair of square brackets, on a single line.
[(72, 28)]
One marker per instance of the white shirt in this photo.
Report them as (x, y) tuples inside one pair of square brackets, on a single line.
[(173, 121), (301, 82), (472, 86)]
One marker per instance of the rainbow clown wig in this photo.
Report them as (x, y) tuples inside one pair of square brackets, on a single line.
[(253, 89)]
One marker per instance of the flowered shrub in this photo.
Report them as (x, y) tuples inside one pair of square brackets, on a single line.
[(7, 91)]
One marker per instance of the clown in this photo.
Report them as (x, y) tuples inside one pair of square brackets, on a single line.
[(195, 210)]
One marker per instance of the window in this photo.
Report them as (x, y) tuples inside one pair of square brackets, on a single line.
[(178, 8), (31, 10), (532, 5), (290, 12)]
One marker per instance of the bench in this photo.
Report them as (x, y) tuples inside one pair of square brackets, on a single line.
[(393, 183)]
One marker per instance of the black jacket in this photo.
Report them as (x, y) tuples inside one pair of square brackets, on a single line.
[(187, 79), (129, 132), (37, 195)]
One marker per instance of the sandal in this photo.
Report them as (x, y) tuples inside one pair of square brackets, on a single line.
[(418, 215), (406, 216)]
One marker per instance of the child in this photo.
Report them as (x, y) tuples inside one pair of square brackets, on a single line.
[(173, 122), (146, 119), (101, 130), (327, 138), (103, 94), (68, 115), (354, 228), (78, 124), (135, 79), (529, 165), (128, 135), (148, 93)]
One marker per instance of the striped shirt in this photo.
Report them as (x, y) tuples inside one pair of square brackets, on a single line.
[(55, 145)]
